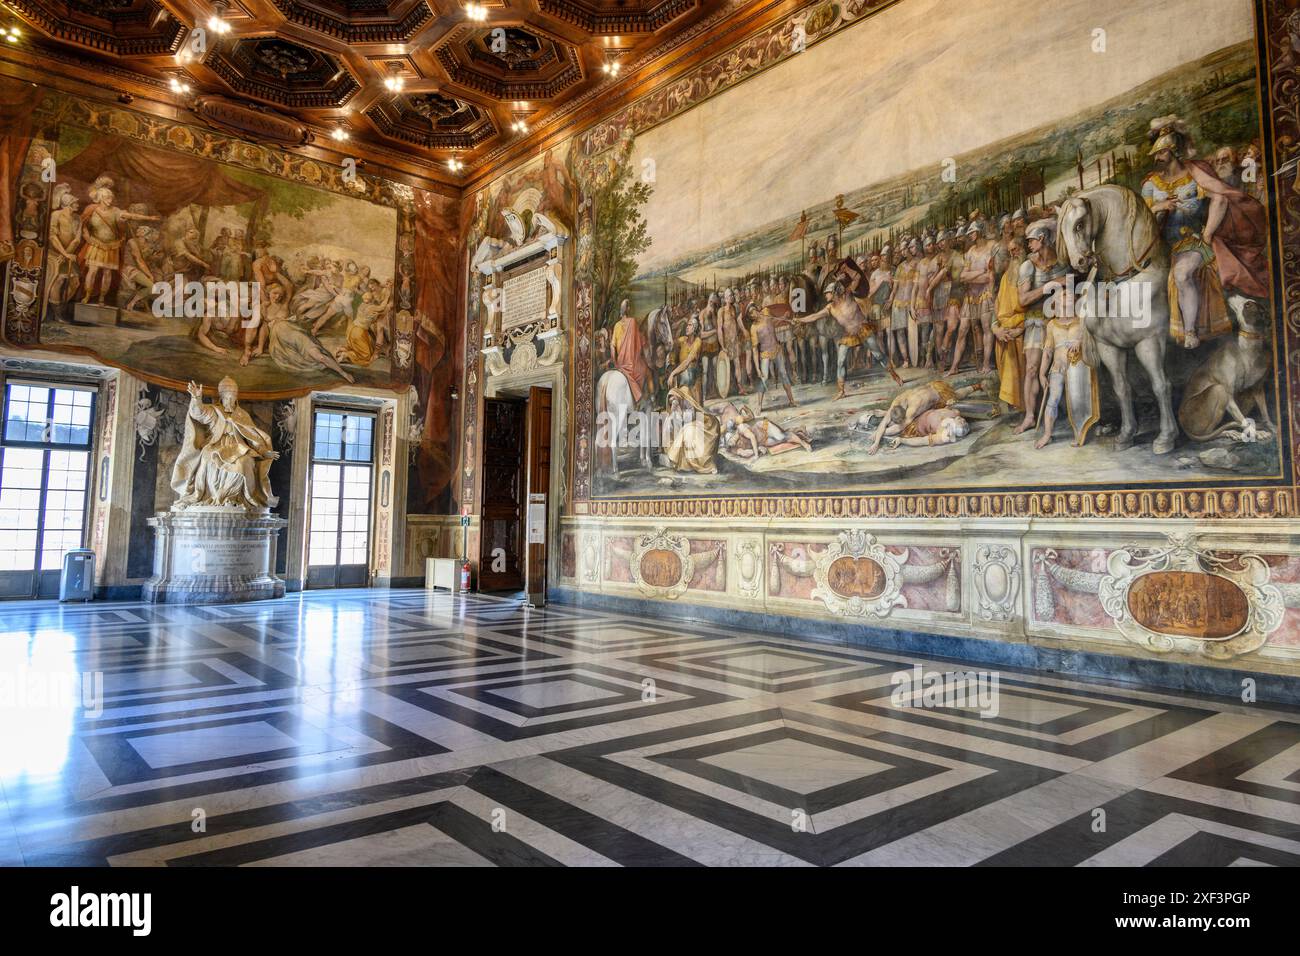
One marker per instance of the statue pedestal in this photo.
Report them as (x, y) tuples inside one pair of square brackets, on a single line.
[(213, 556)]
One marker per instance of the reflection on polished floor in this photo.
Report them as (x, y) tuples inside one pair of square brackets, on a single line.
[(412, 728)]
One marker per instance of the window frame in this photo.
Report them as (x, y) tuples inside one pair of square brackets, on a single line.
[(47, 446), (342, 462)]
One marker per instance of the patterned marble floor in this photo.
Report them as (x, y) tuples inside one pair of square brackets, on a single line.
[(414, 728)]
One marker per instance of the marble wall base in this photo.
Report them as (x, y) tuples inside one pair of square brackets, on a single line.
[(1214, 594), (213, 556)]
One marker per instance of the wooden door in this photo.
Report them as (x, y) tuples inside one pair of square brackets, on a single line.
[(539, 489), (500, 559)]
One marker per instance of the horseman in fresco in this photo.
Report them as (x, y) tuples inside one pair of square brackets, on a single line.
[(629, 349), (1216, 234)]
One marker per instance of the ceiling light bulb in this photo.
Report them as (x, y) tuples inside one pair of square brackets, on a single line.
[(340, 134)]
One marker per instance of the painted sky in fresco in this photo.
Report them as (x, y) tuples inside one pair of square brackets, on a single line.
[(917, 83)]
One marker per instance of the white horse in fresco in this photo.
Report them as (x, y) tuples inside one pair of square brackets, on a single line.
[(1109, 233), (615, 426)]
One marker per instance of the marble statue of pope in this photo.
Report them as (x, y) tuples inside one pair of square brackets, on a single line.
[(225, 458)]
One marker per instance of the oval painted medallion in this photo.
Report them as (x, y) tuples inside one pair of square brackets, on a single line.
[(851, 577), (661, 568), (1189, 604)]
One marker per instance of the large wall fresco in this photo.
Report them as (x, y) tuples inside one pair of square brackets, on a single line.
[(879, 238), (107, 202), (364, 268), (905, 483)]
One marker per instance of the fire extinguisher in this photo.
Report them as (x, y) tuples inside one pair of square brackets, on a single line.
[(464, 576)]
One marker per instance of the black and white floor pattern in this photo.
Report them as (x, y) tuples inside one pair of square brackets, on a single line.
[(414, 728)]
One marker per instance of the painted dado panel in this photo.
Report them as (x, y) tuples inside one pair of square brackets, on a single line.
[(1223, 594), (818, 370)]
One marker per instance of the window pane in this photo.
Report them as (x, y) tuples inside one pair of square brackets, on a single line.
[(28, 416), (22, 468), (359, 437), (329, 435), (325, 481), (17, 560), (20, 501), (71, 422), (26, 412), (322, 548)]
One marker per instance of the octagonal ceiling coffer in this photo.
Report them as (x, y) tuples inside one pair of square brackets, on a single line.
[(284, 72), (510, 62)]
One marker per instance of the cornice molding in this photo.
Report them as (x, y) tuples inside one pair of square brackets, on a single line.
[(154, 98)]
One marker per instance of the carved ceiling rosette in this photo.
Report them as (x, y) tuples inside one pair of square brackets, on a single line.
[(857, 577), (662, 565)]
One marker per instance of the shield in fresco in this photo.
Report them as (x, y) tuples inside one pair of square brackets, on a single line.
[(724, 375)]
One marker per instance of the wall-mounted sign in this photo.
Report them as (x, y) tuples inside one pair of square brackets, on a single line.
[(537, 519)]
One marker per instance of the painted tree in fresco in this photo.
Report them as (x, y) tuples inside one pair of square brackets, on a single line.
[(618, 232), (278, 198)]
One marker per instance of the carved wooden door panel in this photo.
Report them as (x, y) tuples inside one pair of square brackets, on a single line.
[(502, 519)]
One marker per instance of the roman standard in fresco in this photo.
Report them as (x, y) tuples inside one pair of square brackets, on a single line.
[(1031, 250)]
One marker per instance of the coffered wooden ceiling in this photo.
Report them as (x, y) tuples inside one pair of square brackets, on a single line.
[(464, 91)]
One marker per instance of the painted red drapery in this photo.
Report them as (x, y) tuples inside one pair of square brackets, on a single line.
[(438, 352), (17, 102), (1239, 244), (167, 181), (630, 358)]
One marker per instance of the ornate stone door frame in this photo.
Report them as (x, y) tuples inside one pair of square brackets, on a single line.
[(516, 385)]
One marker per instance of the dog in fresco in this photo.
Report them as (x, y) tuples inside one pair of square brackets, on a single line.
[(1231, 382)]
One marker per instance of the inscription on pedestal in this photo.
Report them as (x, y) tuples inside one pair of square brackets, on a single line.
[(222, 557), (209, 555)]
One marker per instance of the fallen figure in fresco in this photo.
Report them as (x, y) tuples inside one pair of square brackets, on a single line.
[(290, 346), (938, 426), (745, 436), (907, 421)]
